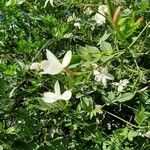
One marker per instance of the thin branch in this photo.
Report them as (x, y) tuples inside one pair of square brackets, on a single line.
[(121, 119), (45, 45), (139, 35)]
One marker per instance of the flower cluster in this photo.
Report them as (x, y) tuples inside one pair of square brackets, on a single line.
[(99, 17), (53, 66), (101, 74)]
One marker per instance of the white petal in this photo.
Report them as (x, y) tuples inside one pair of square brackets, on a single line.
[(96, 72), (35, 66), (98, 77), (103, 9), (45, 64), (52, 58), (66, 95), (67, 59), (115, 83), (99, 19), (50, 97), (46, 2), (88, 11), (77, 24), (57, 88), (50, 68), (51, 2), (125, 82), (104, 81), (120, 88), (108, 76)]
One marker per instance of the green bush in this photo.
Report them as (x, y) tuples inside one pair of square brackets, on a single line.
[(96, 53)]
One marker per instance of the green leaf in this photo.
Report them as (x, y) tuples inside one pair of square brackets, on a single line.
[(79, 95), (1, 126), (88, 52), (125, 132), (11, 70), (144, 4), (105, 46), (131, 135), (147, 101), (75, 59), (141, 116), (104, 37), (106, 58), (125, 97), (111, 96), (95, 111), (47, 143), (14, 2)]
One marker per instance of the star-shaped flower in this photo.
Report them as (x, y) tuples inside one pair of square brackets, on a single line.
[(51, 97), (103, 75), (122, 84), (52, 65)]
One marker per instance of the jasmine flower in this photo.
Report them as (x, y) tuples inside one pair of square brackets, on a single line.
[(103, 75), (51, 97), (122, 84)]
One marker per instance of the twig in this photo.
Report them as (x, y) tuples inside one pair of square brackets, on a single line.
[(139, 35), (130, 107), (121, 119), (46, 44)]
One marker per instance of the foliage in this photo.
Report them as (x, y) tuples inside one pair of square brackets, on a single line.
[(104, 112)]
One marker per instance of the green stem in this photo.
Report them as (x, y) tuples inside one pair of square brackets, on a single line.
[(110, 7), (139, 35)]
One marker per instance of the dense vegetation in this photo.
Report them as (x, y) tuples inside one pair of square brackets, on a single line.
[(107, 100)]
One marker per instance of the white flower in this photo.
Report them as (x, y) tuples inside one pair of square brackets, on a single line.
[(77, 24), (100, 16), (122, 84), (100, 19), (50, 97), (103, 9), (35, 66), (52, 65), (102, 75), (88, 11)]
